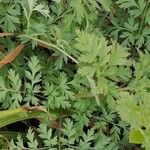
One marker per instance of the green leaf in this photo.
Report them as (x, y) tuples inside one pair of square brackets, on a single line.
[(30, 6), (34, 76), (15, 83), (11, 116), (42, 9), (55, 99), (9, 18), (106, 4), (87, 139), (127, 3), (135, 136), (119, 56), (68, 128), (46, 135), (104, 142), (19, 144), (129, 110), (32, 142), (12, 90)]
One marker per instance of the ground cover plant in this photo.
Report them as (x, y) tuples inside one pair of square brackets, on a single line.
[(74, 74)]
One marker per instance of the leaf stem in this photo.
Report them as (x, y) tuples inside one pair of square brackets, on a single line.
[(53, 46), (59, 130)]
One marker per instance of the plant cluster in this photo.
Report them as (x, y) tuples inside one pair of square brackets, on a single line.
[(78, 71)]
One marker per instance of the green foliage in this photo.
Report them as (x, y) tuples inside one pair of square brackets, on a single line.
[(133, 106), (9, 16), (133, 28), (46, 135), (10, 95), (87, 63), (34, 77)]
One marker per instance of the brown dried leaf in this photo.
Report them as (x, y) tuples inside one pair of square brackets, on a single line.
[(11, 56), (34, 108)]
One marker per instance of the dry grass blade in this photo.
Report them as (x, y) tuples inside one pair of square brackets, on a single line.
[(34, 108), (2, 49), (11, 56), (6, 34), (43, 45)]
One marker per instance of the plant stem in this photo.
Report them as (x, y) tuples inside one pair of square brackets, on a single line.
[(53, 46), (59, 129)]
